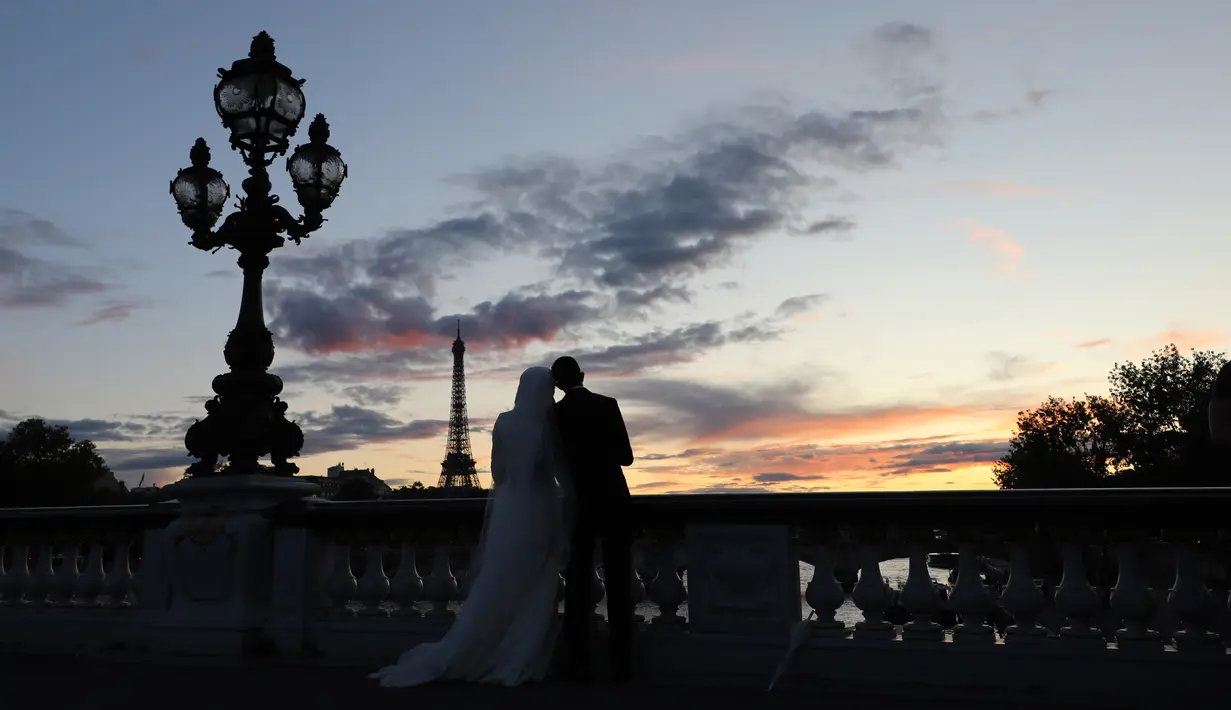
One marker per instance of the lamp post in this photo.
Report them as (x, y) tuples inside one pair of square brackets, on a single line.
[(1220, 407), (261, 104)]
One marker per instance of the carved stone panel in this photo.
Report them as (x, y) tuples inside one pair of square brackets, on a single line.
[(204, 560), (742, 579)]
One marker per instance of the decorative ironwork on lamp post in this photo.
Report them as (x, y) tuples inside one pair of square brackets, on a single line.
[(261, 104)]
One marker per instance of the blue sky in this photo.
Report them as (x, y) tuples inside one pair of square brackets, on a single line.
[(1041, 195)]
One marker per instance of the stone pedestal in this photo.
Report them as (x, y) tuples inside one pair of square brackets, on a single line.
[(215, 591)]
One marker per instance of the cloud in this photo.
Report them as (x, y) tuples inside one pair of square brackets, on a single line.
[(620, 236), (1096, 343), (348, 427), (366, 395), (1006, 366), (809, 466), (659, 348), (221, 274), (1187, 338), (111, 313), (1034, 101), (29, 278), (799, 305), (1001, 188), (834, 226), (998, 240), (708, 415)]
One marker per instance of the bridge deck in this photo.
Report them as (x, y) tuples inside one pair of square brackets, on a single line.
[(200, 684)]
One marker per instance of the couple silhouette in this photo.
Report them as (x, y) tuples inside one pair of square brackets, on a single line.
[(558, 492)]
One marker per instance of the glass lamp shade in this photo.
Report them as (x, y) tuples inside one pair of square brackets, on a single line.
[(259, 101), (316, 168), (200, 192)]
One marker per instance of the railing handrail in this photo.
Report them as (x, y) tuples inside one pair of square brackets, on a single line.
[(1150, 507), (1175, 506)]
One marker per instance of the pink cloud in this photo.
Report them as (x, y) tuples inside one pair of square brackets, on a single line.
[(998, 240)]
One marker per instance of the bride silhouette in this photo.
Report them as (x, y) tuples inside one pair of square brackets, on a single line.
[(506, 631)]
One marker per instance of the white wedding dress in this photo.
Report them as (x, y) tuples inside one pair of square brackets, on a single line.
[(506, 630)]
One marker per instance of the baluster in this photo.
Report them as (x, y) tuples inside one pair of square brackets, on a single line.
[(41, 582), (465, 580), (872, 596), (65, 584), (825, 595), (636, 595), (119, 581), (560, 593), (441, 586), (17, 576), (1022, 598), (407, 586), (373, 587), (90, 584), (1133, 601), (667, 588), (598, 590), (1192, 603), (969, 597), (341, 585), (1075, 598), (919, 595)]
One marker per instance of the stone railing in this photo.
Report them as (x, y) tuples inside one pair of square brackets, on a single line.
[(1114, 594)]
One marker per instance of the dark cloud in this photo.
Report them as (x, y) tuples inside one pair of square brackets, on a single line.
[(111, 313), (783, 477), (695, 410), (347, 427), (222, 274), (1033, 101), (834, 226), (367, 395), (362, 368), (941, 458), (623, 236), (29, 278), (1006, 367), (903, 34), (798, 305), (664, 347)]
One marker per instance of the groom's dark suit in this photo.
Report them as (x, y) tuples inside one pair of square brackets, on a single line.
[(596, 445)]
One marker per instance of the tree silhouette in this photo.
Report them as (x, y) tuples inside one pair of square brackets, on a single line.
[(41, 465), (1150, 431)]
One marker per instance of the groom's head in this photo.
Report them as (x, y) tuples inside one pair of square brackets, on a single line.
[(567, 372)]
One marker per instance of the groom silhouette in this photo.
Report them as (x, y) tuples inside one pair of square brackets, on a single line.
[(596, 445)]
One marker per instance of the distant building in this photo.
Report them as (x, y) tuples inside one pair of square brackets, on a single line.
[(338, 475)]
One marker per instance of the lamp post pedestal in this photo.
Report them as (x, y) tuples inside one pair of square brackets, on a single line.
[(212, 592)]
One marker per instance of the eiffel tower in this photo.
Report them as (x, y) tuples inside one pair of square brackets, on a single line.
[(457, 470)]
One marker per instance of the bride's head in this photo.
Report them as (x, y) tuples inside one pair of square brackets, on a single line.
[(536, 389)]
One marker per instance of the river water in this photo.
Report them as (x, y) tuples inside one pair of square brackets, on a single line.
[(894, 572)]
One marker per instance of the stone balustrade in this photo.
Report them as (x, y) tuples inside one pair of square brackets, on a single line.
[(1109, 593)]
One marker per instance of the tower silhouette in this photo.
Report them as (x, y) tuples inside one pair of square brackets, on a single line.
[(457, 470)]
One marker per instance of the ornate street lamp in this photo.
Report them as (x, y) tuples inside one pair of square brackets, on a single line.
[(261, 104), (1220, 407)]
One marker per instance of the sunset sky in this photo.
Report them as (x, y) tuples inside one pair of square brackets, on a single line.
[(807, 244)]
